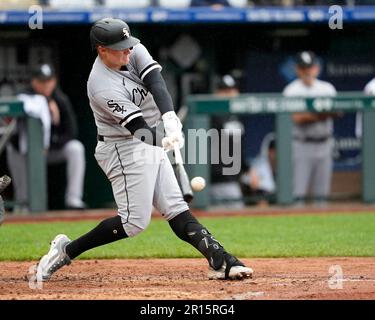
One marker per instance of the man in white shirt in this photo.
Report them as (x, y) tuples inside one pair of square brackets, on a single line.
[(44, 99), (34, 106), (312, 132)]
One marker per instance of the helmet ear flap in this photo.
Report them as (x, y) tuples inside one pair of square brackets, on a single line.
[(93, 40)]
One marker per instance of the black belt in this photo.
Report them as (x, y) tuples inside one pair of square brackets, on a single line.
[(312, 140), (100, 138)]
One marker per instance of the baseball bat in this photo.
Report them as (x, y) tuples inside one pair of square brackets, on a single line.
[(181, 175)]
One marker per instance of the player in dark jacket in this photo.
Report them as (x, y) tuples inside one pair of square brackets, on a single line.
[(63, 145), (225, 188)]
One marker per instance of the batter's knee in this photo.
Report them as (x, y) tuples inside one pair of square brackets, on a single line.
[(133, 227), (175, 210)]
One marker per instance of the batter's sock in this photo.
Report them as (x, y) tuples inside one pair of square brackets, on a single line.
[(107, 231)]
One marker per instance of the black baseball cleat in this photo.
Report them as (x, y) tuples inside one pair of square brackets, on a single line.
[(4, 182), (231, 269)]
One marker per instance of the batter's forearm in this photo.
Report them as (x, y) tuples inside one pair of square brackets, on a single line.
[(142, 131), (156, 85)]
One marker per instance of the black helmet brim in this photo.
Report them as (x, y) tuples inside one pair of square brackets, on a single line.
[(124, 44)]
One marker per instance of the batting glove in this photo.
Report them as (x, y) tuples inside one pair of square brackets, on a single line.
[(169, 142), (172, 124)]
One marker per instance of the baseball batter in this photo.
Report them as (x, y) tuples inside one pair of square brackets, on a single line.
[(312, 132), (129, 98)]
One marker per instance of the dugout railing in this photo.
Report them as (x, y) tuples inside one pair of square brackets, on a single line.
[(202, 107), (36, 160)]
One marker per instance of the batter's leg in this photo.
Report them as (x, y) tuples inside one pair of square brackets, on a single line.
[(133, 179), (169, 201), (222, 265), (168, 198), (132, 183), (63, 250), (107, 231)]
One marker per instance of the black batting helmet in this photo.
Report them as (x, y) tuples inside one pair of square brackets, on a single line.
[(112, 33), (306, 59)]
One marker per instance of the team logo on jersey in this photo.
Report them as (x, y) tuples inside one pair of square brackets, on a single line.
[(126, 33), (115, 107), (138, 96)]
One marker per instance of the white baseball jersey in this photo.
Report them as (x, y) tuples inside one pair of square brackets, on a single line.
[(36, 105), (117, 97), (320, 88), (312, 162)]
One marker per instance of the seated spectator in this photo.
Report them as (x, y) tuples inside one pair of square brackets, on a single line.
[(46, 101), (35, 106), (259, 183)]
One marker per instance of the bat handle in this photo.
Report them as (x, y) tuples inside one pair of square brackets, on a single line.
[(177, 154)]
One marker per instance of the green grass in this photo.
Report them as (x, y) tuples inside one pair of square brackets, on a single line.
[(272, 236)]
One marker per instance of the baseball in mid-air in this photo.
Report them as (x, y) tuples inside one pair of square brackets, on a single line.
[(198, 183)]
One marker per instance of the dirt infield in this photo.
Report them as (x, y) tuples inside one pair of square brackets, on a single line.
[(297, 278)]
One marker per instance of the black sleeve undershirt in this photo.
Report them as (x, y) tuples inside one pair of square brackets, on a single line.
[(155, 83), (138, 127), (142, 131)]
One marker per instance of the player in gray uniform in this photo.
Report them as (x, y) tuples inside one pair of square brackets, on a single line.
[(128, 97), (312, 132)]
